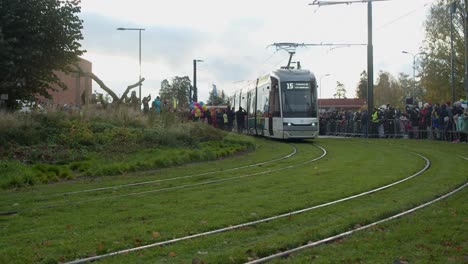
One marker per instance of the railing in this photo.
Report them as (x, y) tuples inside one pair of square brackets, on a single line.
[(390, 128)]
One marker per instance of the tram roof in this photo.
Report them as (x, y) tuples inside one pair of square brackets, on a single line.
[(294, 75)]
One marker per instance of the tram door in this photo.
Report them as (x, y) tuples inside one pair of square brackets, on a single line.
[(274, 110)]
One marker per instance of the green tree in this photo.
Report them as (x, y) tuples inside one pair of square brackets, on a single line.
[(217, 98), (37, 37), (340, 91), (178, 90), (436, 62), (361, 90), (388, 90)]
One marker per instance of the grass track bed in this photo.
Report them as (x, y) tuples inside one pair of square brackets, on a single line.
[(348, 169)]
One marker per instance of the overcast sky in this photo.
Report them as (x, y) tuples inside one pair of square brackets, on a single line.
[(232, 38)]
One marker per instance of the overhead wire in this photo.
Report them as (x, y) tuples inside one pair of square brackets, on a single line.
[(404, 16)]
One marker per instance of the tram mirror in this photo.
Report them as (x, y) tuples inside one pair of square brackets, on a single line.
[(268, 87)]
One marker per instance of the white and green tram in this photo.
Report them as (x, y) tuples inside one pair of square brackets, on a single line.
[(282, 104)]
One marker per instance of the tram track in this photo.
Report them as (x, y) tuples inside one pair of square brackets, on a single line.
[(264, 220), (350, 232), (294, 152)]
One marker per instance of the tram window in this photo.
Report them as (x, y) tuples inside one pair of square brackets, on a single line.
[(298, 99)]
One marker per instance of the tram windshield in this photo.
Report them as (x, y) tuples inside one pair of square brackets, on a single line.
[(298, 99)]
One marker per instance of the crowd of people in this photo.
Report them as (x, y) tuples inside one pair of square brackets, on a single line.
[(223, 118), (432, 121)]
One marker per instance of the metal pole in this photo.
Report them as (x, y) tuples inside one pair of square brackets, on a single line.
[(370, 64), (139, 52), (139, 79), (414, 78), (466, 47), (452, 55), (195, 97)]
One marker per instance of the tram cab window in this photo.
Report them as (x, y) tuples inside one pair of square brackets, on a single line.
[(298, 99)]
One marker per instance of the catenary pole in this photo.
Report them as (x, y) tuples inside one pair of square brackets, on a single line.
[(370, 65), (465, 12), (370, 49)]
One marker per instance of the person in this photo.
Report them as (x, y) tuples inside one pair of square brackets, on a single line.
[(219, 119), (134, 101), (375, 122), (157, 104), (364, 124), (146, 101), (464, 127), (225, 119), (208, 116), (240, 116), (231, 115)]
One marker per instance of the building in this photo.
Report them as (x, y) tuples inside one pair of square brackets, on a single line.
[(330, 105), (79, 88)]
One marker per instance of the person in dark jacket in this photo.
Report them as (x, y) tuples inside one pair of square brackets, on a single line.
[(240, 116)]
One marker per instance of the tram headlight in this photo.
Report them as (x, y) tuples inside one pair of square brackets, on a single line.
[(314, 124), (289, 124)]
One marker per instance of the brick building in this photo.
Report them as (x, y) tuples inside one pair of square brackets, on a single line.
[(329, 105), (79, 88)]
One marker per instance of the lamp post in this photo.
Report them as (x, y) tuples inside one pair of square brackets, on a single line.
[(414, 70), (139, 61), (195, 96)]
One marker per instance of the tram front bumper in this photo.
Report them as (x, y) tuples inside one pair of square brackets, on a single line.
[(300, 131)]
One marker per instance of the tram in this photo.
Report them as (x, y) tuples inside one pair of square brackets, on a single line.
[(282, 104)]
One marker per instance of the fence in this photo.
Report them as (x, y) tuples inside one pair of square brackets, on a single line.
[(390, 128)]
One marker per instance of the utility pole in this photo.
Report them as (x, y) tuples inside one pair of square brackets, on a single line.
[(453, 8), (195, 92), (465, 19), (370, 49), (370, 65)]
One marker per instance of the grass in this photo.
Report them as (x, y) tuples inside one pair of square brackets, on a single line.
[(80, 228), (53, 147)]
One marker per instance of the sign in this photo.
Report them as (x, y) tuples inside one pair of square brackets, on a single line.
[(3, 96)]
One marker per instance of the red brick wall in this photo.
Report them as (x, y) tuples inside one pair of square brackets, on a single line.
[(76, 86)]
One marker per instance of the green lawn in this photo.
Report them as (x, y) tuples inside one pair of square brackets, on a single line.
[(58, 228)]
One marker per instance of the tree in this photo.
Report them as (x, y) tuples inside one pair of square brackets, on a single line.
[(340, 91), (37, 37), (178, 90), (406, 84), (387, 90), (361, 90), (436, 63), (113, 98), (215, 98)]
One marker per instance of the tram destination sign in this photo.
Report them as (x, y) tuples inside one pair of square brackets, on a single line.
[(297, 85)]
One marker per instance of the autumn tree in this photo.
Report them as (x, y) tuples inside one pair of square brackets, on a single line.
[(37, 37), (387, 90), (436, 62), (361, 90), (340, 91)]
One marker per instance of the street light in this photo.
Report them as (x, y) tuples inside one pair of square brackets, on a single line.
[(414, 69), (139, 44), (195, 97)]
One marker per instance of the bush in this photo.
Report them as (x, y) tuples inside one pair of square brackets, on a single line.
[(62, 145)]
